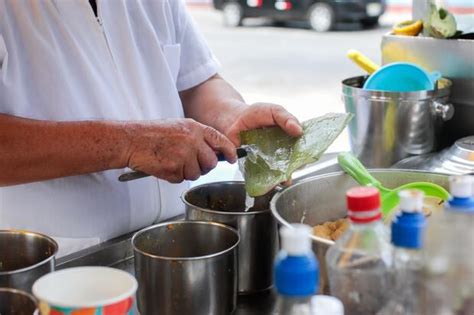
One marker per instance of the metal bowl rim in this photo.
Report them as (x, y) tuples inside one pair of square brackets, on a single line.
[(42, 262), (232, 182), (277, 195), (418, 95), (220, 253), (20, 292)]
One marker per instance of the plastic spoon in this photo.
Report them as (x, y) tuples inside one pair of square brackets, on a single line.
[(362, 61), (390, 200)]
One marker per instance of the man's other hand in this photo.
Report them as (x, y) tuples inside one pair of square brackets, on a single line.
[(263, 115)]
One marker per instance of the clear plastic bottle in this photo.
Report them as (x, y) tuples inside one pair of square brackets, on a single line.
[(296, 271), (449, 269), (407, 237), (359, 262)]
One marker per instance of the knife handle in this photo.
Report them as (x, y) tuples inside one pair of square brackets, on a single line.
[(125, 177)]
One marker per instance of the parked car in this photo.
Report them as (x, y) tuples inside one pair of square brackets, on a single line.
[(322, 15)]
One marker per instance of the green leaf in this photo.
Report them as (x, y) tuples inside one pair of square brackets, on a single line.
[(274, 156)]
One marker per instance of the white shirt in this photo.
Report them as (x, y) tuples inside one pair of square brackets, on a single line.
[(59, 62)]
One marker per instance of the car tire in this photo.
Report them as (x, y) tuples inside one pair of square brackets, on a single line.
[(370, 22), (233, 14), (321, 17)]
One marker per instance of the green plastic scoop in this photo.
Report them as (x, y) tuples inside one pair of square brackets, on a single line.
[(390, 200)]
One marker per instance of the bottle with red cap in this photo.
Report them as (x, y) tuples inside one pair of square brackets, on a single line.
[(360, 260)]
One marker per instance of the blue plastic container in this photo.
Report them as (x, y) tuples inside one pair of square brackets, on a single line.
[(402, 77)]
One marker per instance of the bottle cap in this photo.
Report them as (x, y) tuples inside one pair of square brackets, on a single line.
[(411, 200), (408, 230), (363, 204), (296, 267), (295, 240), (460, 186)]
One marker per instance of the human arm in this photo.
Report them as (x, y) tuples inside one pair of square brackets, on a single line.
[(34, 150), (216, 103)]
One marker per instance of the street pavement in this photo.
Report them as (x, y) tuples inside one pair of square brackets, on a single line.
[(292, 66)]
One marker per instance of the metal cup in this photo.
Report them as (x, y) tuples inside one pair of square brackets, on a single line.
[(186, 268), (228, 203), (16, 302), (24, 257)]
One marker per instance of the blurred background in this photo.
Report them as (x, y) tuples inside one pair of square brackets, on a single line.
[(289, 63)]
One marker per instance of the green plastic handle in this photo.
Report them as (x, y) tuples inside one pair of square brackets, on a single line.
[(352, 166)]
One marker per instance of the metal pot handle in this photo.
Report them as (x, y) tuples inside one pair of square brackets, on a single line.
[(445, 111)]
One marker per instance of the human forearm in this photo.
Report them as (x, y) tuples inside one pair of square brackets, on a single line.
[(214, 103), (173, 150), (34, 150)]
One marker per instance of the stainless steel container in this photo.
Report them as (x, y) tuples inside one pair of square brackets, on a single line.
[(186, 268), (390, 126), (228, 203), (24, 257), (322, 198), (16, 302)]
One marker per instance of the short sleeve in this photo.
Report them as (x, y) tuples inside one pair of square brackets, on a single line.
[(197, 62)]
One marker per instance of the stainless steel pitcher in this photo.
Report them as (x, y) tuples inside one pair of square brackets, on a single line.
[(186, 267), (390, 126), (228, 203)]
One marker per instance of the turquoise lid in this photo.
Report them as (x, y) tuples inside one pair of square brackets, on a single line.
[(402, 77)]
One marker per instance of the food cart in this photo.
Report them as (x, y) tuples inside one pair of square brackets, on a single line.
[(325, 175)]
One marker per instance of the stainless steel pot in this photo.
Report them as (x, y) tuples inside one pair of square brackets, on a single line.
[(24, 257), (227, 203), (389, 126), (186, 268), (322, 198), (16, 302)]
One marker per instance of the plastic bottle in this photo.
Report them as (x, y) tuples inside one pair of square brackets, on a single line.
[(327, 305), (449, 269), (360, 260), (296, 271), (407, 238)]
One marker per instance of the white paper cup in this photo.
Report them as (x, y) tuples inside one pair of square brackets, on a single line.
[(86, 291)]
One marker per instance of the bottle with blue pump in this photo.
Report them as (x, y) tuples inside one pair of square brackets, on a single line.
[(296, 271), (407, 238), (449, 267)]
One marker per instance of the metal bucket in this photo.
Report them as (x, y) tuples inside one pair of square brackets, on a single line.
[(390, 126), (24, 257), (186, 268), (227, 203), (16, 302), (322, 198)]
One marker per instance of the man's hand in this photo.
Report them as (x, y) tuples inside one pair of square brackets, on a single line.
[(178, 149), (263, 115)]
